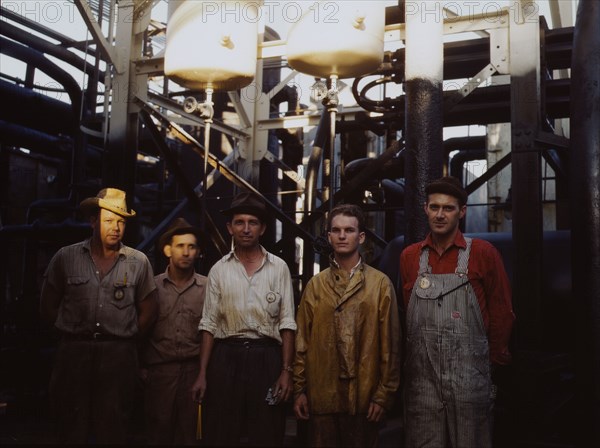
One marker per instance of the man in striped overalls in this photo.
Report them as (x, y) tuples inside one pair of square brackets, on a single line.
[(459, 318)]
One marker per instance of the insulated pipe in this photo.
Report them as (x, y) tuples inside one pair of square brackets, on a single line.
[(68, 230), (39, 61), (40, 142), (424, 113), (314, 162), (49, 48), (36, 111), (457, 162), (585, 205), (464, 143)]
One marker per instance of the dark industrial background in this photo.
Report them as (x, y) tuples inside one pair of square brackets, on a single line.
[(117, 132)]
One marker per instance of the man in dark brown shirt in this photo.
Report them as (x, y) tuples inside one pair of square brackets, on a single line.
[(172, 352)]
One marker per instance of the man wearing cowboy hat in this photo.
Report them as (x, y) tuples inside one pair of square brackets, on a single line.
[(172, 351), (100, 295), (247, 336)]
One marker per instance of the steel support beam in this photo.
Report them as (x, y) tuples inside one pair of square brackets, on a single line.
[(105, 47), (123, 126), (210, 229), (218, 165), (526, 174)]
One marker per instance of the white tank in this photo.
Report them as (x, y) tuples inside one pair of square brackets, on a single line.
[(342, 38), (212, 43)]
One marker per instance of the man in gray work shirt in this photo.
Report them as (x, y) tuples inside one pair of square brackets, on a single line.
[(100, 295)]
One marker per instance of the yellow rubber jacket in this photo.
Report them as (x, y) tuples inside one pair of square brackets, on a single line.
[(347, 342)]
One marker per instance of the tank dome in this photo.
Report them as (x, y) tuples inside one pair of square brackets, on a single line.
[(340, 38), (212, 43)]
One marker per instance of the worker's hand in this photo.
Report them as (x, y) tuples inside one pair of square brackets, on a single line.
[(301, 407), (199, 388), (376, 412), (282, 390)]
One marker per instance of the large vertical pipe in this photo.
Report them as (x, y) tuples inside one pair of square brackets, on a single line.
[(424, 118), (585, 209), (526, 181)]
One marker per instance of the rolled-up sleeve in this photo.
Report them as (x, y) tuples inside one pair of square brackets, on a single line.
[(286, 316), (209, 312)]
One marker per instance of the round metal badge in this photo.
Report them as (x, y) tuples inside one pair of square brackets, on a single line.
[(271, 297), (424, 283), (119, 293)]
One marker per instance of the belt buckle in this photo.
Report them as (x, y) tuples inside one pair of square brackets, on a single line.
[(96, 335)]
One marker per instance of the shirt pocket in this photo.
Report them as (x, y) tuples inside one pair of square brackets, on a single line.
[(191, 328), (123, 295), (427, 288), (273, 299), (76, 304)]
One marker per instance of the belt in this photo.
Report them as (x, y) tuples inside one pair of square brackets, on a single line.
[(93, 337), (249, 342)]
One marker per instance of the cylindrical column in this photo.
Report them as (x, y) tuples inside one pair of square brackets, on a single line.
[(424, 116), (584, 183)]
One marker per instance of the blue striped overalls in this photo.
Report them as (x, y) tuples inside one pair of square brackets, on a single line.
[(447, 374)]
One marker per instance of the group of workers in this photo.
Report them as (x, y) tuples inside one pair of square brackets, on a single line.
[(222, 354)]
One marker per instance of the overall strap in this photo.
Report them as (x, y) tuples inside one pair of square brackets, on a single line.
[(424, 262), (463, 259)]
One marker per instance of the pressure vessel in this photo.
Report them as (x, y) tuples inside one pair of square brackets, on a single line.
[(342, 38), (212, 44)]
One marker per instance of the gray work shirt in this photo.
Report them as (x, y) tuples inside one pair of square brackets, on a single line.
[(91, 305)]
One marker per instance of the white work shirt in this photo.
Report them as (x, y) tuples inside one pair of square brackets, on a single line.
[(249, 307)]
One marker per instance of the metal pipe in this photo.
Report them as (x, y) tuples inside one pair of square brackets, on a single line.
[(424, 113), (332, 102), (464, 143), (37, 59), (314, 162), (457, 162), (585, 208), (66, 231), (36, 111), (49, 48), (208, 119), (22, 136)]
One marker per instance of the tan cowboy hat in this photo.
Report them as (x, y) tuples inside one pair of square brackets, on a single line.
[(178, 227), (111, 199), (247, 203)]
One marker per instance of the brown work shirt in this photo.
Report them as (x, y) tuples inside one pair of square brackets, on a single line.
[(175, 336)]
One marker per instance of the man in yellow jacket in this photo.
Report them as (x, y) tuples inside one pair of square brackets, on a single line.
[(347, 363)]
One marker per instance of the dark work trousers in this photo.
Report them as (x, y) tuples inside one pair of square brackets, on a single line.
[(171, 414), (240, 372), (342, 430), (92, 390)]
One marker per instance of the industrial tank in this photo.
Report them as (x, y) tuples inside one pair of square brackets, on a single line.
[(212, 44), (338, 38)]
